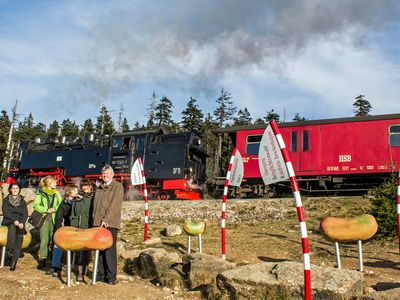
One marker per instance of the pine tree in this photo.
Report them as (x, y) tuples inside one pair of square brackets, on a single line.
[(87, 127), (69, 129), (243, 118), (361, 107), (136, 125), (40, 130), (192, 118), (210, 142), (26, 130), (384, 206), (5, 124), (54, 130), (152, 111), (259, 121), (225, 110), (163, 113), (297, 118), (104, 124), (272, 115), (124, 125)]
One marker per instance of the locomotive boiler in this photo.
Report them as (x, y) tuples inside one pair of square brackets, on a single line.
[(174, 163)]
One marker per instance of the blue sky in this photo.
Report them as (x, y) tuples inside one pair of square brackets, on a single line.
[(64, 59)]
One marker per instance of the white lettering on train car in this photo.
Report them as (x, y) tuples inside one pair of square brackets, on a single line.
[(345, 158)]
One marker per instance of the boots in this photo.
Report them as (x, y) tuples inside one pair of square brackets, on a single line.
[(80, 277), (41, 264), (13, 265)]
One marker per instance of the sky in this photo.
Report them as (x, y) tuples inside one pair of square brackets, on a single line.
[(65, 59)]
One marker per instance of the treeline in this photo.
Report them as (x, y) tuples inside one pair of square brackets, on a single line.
[(159, 113)]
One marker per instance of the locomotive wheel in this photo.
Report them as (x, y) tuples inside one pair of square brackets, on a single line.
[(163, 196)]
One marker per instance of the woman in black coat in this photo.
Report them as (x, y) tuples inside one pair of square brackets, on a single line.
[(15, 214)]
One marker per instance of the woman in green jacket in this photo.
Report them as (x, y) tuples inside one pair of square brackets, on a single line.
[(47, 201), (81, 217)]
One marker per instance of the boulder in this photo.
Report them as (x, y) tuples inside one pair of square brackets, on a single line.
[(173, 279), (154, 261), (152, 241), (203, 268), (29, 196), (172, 230), (392, 294), (286, 279)]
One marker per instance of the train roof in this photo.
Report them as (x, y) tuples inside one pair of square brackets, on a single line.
[(230, 129), (161, 129)]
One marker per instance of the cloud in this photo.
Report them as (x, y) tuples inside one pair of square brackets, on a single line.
[(266, 53)]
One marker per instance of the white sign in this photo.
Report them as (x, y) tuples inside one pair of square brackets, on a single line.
[(270, 160), (236, 175), (136, 174)]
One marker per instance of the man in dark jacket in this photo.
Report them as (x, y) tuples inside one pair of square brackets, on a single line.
[(107, 213)]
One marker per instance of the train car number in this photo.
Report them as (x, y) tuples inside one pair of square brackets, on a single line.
[(176, 171)]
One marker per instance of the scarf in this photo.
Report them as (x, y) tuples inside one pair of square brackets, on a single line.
[(15, 200), (49, 191), (86, 195)]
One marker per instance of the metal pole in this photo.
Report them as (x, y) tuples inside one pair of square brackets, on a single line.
[(69, 268), (96, 262), (188, 248), (338, 264), (3, 256), (360, 258), (200, 247)]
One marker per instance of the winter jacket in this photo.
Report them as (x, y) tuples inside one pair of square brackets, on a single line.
[(81, 212), (107, 204), (42, 201), (63, 214), (14, 213)]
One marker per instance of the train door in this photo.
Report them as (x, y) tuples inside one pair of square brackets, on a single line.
[(394, 144), (309, 146), (304, 148)]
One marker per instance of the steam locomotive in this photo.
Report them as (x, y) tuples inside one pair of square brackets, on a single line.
[(329, 156), (174, 163)]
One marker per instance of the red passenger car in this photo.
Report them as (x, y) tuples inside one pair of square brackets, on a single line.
[(351, 154)]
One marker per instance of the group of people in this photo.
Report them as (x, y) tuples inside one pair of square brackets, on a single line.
[(89, 207)]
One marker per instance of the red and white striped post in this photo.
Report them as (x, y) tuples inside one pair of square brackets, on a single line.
[(300, 211), (146, 201), (223, 215), (398, 208)]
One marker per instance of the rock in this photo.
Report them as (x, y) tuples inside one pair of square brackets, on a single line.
[(152, 241), (204, 268), (121, 246), (172, 230), (131, 254), (172, 278), (392, 294), (124, 277), (154, 261), (286, 279)]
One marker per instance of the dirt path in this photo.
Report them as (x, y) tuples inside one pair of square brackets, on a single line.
[(273, 235), (26, 282)]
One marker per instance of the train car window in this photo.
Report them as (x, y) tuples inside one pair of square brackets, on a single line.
[(117, 142), (394, 135), (253, 144), (139, 143), (293, 142), (125, 145), (306, 140)]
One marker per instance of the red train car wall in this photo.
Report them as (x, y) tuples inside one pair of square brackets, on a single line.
[(338, 148)]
